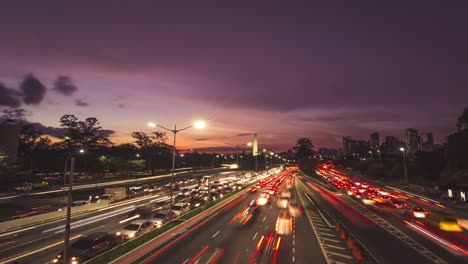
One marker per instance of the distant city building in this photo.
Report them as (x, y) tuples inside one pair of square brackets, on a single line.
[(412, 141), (427, 142), (374, 141), (391, 145), (347, 146), (9, 139), (328, 153), (355, 147)]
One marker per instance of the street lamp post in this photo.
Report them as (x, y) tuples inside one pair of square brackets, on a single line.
[(198, 124), (66, 252), (264, 154), (403, 150)]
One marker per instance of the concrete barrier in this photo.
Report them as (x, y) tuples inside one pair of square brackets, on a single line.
[(48, 217)]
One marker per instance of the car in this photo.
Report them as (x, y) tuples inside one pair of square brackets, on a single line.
[(140, 212), (87, 247), (416, 212), (286, 194), (215, 195), (197, 202), (450, 224), (263, 198), (282, 202), (79, 203), (134, 229), (108, 197), (181, 197), (180, 208), (247, 213), (94, 199), (283, 224), (161, 217), (399, 204)]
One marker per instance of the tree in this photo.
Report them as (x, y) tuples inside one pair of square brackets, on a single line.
[(156, 138), (82, 134), (462, 122), (141, 139), (303, 149)]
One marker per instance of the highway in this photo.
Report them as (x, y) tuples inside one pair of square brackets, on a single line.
[(224, 239), (382, 229), (101, 185), (40, 243)]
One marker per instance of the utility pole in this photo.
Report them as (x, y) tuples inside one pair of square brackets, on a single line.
[(66, 255)]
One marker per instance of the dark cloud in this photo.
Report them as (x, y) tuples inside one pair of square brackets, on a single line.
[(244, 134), (64, 85), (81, 102), (33, 91), (8, 97), (205, 139)]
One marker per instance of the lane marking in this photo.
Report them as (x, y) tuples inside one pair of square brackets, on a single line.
[(329, 239), (340, 255), (216, 233), (17, 231), (37, 250), (309, 217), (264, 218), (337, 247), (255, 236), (185, 262)]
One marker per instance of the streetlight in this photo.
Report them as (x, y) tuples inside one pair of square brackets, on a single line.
[(249, 144), (371, 153), (265, 154), (71, 157), (404, 164), (197, 124)]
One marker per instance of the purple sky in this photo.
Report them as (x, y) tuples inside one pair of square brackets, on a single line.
[(285, 71)]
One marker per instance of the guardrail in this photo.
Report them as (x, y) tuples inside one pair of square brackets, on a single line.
[(358, 249)]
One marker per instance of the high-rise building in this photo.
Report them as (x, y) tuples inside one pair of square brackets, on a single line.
[(374, 141), (412, 140), (427, 141), (352, 146), (347, 146), (391, 145)]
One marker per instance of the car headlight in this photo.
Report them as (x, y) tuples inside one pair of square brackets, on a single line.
[(118, 233), (131, 235), (74, 262), (55, 260)]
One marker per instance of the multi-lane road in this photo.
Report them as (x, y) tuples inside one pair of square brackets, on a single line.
[(225, 239), (39, 243), (314, 237)]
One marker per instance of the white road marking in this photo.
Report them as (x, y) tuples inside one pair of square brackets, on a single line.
[(329, 239), (255, 236), (264, 218), (340, 255), (337, 247), (216, 233), (187, 260)]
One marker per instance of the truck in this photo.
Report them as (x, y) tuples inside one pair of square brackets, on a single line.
[(114, 194)]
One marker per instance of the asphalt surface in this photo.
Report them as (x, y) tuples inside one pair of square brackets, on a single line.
[(42, 242), (381, 229), (222, 240)]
